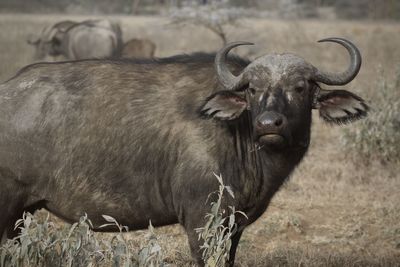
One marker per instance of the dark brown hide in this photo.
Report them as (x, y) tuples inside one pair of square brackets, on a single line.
[(129, 139)]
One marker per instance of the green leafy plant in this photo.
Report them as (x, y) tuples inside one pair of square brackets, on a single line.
[(218, 230), (42, 243)]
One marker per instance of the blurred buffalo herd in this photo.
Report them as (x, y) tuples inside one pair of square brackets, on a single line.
[(96, 38)]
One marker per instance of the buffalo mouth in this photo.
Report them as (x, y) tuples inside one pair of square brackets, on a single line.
[(274, 139)]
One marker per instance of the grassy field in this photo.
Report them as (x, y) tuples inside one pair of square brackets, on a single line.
[(334, 211)]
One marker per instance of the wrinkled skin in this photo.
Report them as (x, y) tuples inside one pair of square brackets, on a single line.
[(139, 140), (290, 95)]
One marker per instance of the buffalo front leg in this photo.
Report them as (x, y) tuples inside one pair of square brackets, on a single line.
[(195, 243), (192, 217), (3, 233), (232, 253)]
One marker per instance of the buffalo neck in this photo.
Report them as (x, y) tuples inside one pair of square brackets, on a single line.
[(253, 172)]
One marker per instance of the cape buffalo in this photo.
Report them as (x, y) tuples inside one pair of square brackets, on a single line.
[(138, 48), (79, 40), (44, 44), (139, 140)]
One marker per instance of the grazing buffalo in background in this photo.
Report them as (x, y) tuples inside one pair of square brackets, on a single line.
[(84, 40), (44, 44), (138, 48), (139, 140)]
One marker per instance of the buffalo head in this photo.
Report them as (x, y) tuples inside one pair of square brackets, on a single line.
[(278, 92), (50, 40)]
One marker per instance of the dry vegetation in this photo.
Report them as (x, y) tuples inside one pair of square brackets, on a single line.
[(337, 209)]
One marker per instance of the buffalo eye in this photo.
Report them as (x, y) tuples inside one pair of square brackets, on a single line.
[(56, 42), (299, 89), (252, 91)]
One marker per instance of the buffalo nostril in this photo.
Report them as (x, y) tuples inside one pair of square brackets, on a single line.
[(270, 122), (278, 122)]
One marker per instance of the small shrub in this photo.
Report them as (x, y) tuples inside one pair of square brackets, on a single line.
[(378, 136), (218, 230), (42, 243)]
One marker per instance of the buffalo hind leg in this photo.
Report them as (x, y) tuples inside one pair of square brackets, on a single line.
[(3, 232), (11, 231), (7, 220), (13, 199)]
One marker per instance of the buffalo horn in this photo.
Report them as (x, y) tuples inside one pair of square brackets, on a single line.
[(351, 72), (225, 77)]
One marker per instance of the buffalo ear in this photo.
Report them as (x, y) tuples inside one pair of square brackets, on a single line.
[(224, 105), (340, 106)]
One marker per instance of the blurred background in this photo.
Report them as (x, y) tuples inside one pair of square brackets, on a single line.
[(324, 9), (341, 207)]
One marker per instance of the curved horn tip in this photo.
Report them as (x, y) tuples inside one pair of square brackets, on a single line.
[(350, 46), (353, 69), (234, 44), (335, 40)]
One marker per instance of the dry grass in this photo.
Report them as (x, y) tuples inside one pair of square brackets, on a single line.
[(333, 211)]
